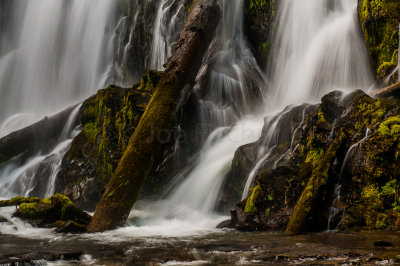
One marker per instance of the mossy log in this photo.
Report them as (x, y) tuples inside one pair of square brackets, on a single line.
[(393, 90), (145, 144), (313, 188), (40, 136), (50, 210), (16, 201)]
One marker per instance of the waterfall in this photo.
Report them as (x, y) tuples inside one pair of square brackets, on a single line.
[(318, 48), (170, 18), (59, 55), (335, 209), (37, 175), (233, 74), (64, 54)]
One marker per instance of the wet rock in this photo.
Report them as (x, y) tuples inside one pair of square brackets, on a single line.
[(49, 256), (108, 120), (41, 136), (303, 172), (381, 243), (133, 41), (380, 25), (57, 210), (69, 227), (224, 224), (259, 25)]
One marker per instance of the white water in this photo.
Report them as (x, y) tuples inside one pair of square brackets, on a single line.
[(61, 56), (318, 49), (336, 208), (169, 21), (39, 171)]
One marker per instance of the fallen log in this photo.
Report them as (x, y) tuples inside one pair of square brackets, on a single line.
[(392, 90), (145, 144), (41, 135)]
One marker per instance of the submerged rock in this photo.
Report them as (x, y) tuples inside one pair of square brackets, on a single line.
[(336, 168)]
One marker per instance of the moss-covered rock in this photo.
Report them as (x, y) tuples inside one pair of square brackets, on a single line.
[(16, 201), (380, 24), (144, 147), (53, 211), (342, 155), (108, 120), (259, 25)]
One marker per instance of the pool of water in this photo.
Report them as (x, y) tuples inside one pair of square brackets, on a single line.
[(215, 247)]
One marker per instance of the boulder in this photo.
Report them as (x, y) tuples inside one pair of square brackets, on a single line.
[(343, 155), (108, 120), (56, 211)]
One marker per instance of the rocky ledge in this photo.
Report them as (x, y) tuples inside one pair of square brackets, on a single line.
[(333, 165)]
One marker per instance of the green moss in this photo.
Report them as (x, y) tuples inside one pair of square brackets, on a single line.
[(29, 210), (367, 112), (189, 5), (380, 27), (16, 201), (315, 185), (314, 156), (390, 128), (91, 131), (250, 203), (377, 204), (254, 4)]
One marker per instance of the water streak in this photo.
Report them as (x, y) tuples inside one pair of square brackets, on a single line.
[(60, 57), (169, 21)]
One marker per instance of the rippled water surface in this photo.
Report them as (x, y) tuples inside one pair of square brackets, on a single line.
[(215, 247)]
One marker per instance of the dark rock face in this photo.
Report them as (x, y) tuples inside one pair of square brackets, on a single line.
[(259, 25), (134, 36), (41, 136), (334, 162), (380, 25), (108, 119)]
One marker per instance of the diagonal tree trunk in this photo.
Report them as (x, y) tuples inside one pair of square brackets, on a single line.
[(145, 144)]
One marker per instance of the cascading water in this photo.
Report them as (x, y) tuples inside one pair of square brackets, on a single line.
[(169, 22), (318, 48), (37, 175), (60, 55), (335, 208), (233, 78)]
